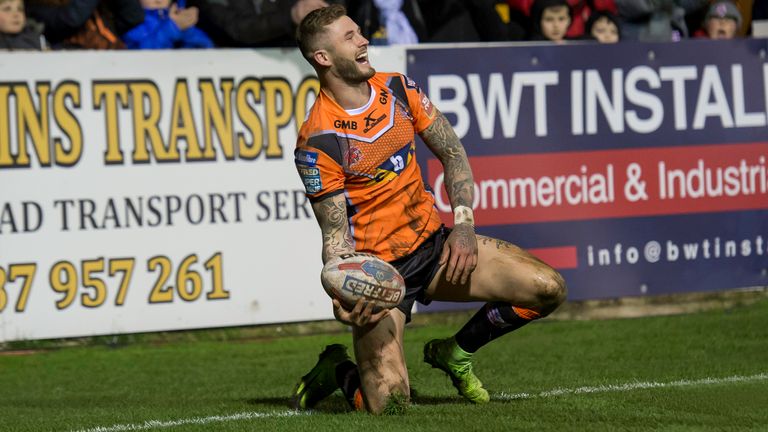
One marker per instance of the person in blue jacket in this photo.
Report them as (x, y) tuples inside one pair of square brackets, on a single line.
[(167, 25)]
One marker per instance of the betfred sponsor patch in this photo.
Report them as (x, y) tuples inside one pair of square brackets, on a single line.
[(308, 171), (310, 176), (313, 184)]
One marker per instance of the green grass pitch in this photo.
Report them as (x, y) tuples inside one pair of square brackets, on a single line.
[(704, 371)]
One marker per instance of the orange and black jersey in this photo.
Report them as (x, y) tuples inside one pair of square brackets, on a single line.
[(368, 154)]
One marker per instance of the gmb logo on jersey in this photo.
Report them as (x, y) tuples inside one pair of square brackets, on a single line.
[(392, 167)]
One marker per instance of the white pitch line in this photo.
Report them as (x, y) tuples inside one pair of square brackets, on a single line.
[(158, 424), (629, 387)]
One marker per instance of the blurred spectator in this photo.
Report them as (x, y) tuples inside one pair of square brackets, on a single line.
[(551, 19), (167, 25), (581, 10), (253, 23), (745, 9), (759, 11), (656, 20), (723, 21), (603, 27), (516, 21), (15, 32), (470, 21), (388, 22), (86, 24)]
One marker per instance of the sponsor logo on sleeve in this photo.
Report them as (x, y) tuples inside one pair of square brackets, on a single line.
[(307, 158), (312, 183), (306, 165), (429, 109), (308, 171), (411, 83)]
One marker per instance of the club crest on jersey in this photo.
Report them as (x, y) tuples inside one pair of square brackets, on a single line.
[(307, 158), (353, 155), (371, 121)]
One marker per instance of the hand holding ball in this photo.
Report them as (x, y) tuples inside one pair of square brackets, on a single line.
[(353, 276)]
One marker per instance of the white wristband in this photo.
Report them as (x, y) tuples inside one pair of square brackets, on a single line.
[(463, 215)]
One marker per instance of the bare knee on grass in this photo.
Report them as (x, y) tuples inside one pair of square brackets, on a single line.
[(384, 380), (381, 362)]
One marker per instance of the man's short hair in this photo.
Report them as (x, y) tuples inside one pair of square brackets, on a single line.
[(313, 25)]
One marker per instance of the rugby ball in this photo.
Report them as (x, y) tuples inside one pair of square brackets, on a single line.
[(353, 276)]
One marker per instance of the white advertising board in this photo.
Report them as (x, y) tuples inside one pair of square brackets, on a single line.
[(155, 190)]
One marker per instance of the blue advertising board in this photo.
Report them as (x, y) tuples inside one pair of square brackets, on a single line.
[(635, 169)]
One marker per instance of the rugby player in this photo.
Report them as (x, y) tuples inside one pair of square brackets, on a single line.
[(356, 156)]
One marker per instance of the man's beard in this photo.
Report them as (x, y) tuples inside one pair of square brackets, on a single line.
[(349, 72)]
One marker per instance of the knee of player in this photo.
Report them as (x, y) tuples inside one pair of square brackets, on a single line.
[(386, 372), (552, 290)]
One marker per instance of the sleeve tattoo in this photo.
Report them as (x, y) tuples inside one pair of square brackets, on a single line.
[(442, 140), (331, 215)]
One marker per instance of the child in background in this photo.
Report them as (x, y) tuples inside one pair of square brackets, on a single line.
[(603, 27), (551, 19), (15, 32), (167, 27), (723, 21)]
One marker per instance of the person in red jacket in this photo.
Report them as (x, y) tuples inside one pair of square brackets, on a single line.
[(581, 11), (722, 21)]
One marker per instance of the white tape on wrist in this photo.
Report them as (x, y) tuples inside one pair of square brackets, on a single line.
[(463, 215)]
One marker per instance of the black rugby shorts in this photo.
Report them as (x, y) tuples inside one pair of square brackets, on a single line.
[(418, 268)]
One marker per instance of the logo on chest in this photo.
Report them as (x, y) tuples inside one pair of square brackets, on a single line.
[(353, 155), (345, 124), (371, 120)]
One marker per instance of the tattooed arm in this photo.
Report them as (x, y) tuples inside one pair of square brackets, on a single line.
[(460, 251), (442, 140), (331, 215)]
